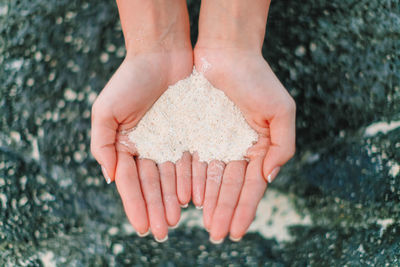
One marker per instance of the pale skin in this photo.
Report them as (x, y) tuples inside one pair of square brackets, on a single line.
[(228, 52), (156, 37)]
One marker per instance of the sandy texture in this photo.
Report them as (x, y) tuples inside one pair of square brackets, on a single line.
[(192, 116)]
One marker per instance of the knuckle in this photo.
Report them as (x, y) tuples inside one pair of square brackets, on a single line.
[(209, 201), (153, 202), (290, 106), (225, 205), (167, 173), (254, 181), (232, 181), (169, 197), (153, 183)]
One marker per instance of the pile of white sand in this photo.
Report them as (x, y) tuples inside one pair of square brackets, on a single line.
[(193, 116)]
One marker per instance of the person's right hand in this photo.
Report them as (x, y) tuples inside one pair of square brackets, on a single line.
[(159, 53), (149, 194)]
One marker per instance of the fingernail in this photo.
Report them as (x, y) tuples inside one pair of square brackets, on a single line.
[(273, 174), (104, 171), (199, 207), (185, 206), (234, 239), (176, 225), (161, 240), (144, 234), (216, 242)]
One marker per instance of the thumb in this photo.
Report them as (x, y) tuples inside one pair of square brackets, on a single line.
[(102, 144), (273, 162), (282, 145)]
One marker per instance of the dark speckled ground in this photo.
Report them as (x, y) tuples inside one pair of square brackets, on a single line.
[(339, 59)]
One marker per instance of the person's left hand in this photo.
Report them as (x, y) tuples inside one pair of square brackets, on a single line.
[(232, 195)]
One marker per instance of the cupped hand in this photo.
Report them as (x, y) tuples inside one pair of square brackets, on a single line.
[(232, 192), (150, 195)]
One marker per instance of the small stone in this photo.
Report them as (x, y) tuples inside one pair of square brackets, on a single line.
[(300, 51), (38, 56), (69, 94), (30, 82), (113, 231), (104, 57), (117, 249)]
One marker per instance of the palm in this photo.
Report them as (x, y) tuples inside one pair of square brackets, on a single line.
[(136, 85)]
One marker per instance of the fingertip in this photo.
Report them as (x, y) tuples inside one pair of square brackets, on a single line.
[(239, 227), (273, 162), (218, 233), (216, 241), (272, 175), (175, 224), (270, 170), (139, 220), (173, 215), (235, 239), (160, 233), (105, 174), (162, 240), (143, 234)]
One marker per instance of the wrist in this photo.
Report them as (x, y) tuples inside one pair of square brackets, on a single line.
[(232, 24), (154, 25), (173, 44)]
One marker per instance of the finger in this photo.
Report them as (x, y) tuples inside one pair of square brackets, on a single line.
[(199, 173), (102, 143), (252, 192), (282, 147), (184, 179), (231, 186), (128, 186), (168, 190), (214, 176), (150, 181), (124, 143)]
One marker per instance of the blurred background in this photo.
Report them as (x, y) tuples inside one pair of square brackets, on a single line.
[(336, 203)]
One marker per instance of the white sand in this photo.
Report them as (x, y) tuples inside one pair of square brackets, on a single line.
[(276, 213), (193, 116)]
